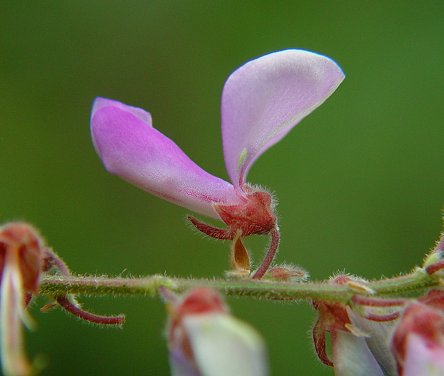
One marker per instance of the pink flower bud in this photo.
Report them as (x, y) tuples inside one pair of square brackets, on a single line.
[(418, 342), (205, 340)]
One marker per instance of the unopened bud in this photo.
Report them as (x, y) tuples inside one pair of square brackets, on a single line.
[(204, 339), (293, 273)]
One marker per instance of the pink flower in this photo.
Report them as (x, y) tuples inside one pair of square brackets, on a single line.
[(261, 102), (205, 340)]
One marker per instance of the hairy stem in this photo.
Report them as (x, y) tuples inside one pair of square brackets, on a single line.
[(410, 285)]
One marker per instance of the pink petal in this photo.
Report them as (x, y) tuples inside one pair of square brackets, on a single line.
[(138, 112), (378, 339), (265, 98), (131, 148), (423, 358), (223, 345), (352, 357), (180, 365)]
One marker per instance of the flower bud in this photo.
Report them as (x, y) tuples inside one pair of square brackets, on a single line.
[(205, 340), (418, 342), (292, 273)]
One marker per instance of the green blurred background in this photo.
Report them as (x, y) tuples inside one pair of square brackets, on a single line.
[(360, 181)]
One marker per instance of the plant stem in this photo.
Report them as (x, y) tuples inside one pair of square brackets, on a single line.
[(410, 285)]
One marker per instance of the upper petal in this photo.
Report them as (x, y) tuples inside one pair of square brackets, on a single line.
[(131, 148), (265, 98)]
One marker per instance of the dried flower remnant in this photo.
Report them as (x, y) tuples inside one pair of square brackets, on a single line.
[(205, 340), (21, 260), (261, 102)]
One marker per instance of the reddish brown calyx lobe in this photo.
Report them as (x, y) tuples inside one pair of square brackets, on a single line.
[(211, 231), (21, 242), (435, 299), (253, 216), (200, 300), (332, 317)]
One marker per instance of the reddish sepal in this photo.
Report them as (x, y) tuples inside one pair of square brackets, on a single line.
[(211, 231), (254, 216)]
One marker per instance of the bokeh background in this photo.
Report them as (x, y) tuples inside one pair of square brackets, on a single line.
[(360, 181)]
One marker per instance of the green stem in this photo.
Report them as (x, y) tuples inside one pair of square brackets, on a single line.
[(409, 285)]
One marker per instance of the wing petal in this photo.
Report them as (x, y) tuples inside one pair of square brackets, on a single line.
[(131, 148)]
